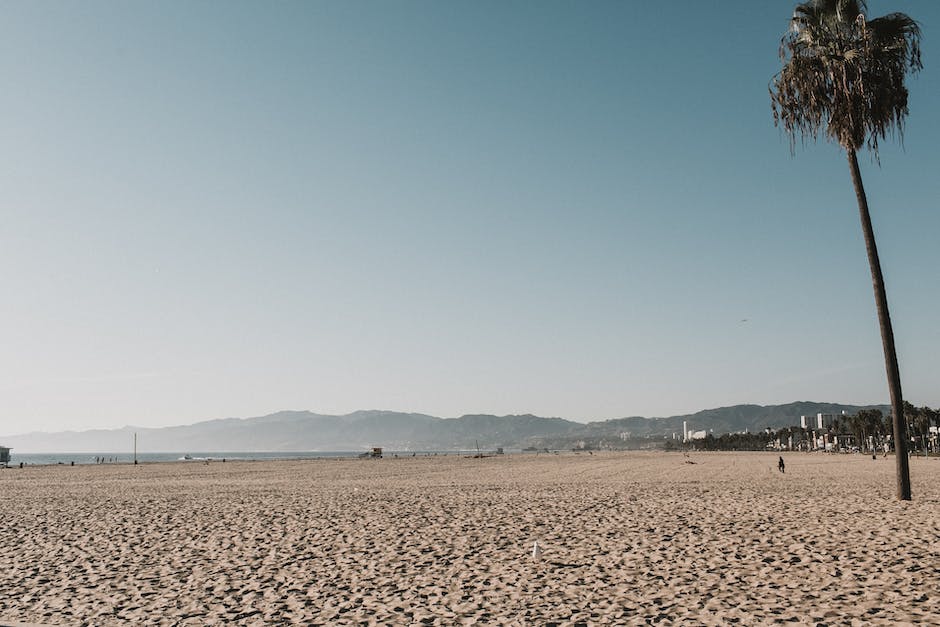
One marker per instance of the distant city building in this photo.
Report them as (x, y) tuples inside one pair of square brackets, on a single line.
[(688, 434), (820, 422)]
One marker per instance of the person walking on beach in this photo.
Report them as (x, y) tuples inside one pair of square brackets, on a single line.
[(781, 466)]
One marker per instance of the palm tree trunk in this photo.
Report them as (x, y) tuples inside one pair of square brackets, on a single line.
[(887, 336)]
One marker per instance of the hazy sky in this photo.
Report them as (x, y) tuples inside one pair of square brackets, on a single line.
[(216, 209)]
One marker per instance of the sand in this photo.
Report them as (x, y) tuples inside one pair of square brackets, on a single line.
[(626, 538)]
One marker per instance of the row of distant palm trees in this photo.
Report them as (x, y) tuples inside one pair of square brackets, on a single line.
[(872, 423), (869, 429), (844, 77), (921, 419)]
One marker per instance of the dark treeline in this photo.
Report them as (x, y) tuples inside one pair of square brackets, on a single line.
[(868, 430)]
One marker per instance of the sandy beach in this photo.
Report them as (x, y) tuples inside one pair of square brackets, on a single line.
[(626, 538)]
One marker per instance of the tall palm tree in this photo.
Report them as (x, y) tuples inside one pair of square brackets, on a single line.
[(843, 75)]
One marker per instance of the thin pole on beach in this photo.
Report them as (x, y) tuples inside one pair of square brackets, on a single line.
[(135, 448)]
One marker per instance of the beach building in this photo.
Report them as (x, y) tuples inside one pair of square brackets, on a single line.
[(4, 455)]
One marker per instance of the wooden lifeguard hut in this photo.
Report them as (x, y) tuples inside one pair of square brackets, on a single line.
[(4, 455)]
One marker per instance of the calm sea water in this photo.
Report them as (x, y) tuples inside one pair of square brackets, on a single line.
[(128, 458)]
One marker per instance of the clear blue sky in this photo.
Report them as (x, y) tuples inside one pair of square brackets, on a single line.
[(215, 209)]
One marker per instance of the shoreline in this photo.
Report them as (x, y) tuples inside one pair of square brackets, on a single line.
[(110, 458)]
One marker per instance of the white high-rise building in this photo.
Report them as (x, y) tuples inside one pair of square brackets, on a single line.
[(822, 420)]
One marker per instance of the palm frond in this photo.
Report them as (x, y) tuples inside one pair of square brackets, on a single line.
[(844, 76), (897, 31)]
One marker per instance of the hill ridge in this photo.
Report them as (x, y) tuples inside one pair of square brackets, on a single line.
[(303, 430)]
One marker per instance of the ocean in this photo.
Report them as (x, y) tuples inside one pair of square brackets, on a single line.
[(128, 458)]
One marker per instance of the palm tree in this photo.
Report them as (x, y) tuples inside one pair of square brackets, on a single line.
[(844, 75)]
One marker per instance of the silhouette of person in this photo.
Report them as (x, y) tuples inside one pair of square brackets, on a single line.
[(781, 466)]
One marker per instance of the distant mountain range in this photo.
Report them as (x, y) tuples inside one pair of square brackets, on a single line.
[(305, 431)]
